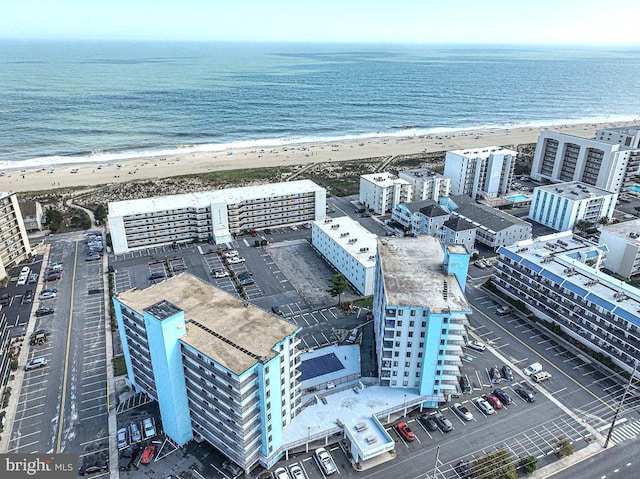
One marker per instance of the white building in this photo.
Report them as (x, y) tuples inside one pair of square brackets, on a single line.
[(14, 243), (420, 315), (623, 242), (604, 163), (558, 278), (561, 205), (426, 184), (382, 191), (213, 215), (627, 136), (349, 248), (480, 173)]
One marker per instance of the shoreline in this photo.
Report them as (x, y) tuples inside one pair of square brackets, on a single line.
[(160, 166)]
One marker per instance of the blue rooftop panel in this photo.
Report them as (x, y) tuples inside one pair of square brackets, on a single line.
[(603, 303), (314, 367), (553, 277), (532, 266), (509, 254), (627, 316), (575, 288)]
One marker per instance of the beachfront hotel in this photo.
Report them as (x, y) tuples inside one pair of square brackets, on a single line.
[(558, 278), (426, 184), (623, 242), (14, 244), (380, 192), (610, 162), (349, 248), (561, 205), (480, 172), (220, 369), (213, 215), (420, 315)]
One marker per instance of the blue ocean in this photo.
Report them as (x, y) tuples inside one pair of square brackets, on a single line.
[(61, 101)]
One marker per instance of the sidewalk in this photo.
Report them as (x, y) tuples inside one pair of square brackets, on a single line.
[(18, 374), (560, 465)]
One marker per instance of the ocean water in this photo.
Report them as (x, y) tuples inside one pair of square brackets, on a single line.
[(79, 101)]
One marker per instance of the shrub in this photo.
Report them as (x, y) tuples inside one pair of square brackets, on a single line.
[(528, 464), (563, 447)]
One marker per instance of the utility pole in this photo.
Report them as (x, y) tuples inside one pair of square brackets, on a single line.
[(624, 396)]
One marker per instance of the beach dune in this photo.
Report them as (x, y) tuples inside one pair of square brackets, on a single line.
[(93, 174)]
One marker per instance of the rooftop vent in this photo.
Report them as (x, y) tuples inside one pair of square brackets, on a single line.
[(342, 235)]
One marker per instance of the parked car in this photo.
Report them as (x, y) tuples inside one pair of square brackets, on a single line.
[(28, 296), (276, 310), (443, 423), (502, 395), (218, 273), (44, 331), (477, 345), (231, 254), (297, 472), (93, 257), (178, 268), (91, 467), (36, 364), (541, 376), (325, 461), (463, 469), (465, 385), (147, 455), (462, 411), (232, 467), (123, 438), (52, 277), (244, 275), (154, 276), (484, 406), (148, 428), (44, 312), (479, 264), (405, 431), (507, 373), (134, 432), (493, 400), (281, 473), (525, 393), (494, 375), (429, 422), (47, 295), (5, 299), (38, 339), (49, 290), (246, 281), (236, 260), (532, 369), (504, 310), (130, 451)]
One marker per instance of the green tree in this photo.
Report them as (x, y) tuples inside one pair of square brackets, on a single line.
[(581, 225), (604, 220), (495, 465), (563, 447), (54, 219), (528, 464), (338, 284), (100, 214)]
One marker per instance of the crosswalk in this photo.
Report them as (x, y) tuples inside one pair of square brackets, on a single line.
[(630, 430)]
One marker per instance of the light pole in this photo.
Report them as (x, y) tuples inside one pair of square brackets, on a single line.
[(624, 396), (308, 437), (435, 468), (405, 404)]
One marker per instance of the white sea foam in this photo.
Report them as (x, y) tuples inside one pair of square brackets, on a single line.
[(98, 156)]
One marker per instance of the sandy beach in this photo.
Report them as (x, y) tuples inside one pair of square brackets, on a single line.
[(90, 174)]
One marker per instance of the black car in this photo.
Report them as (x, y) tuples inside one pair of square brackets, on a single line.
[(28, 296), (525, 393), (429, 422), (244, 275), (463, 469), (276, 310), (155, 276), (91, 467), (44, 312), (502, 395), (507, 374), (130, 451), (46, 332), (465, 385), (443, 423), (494, 375)]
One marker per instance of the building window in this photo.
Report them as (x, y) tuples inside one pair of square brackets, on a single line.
[(413, 312), (411, 334), (399, 324), (400, 312)]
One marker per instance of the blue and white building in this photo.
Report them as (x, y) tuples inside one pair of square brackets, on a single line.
[(420, 315), (558, 278), (460, 232), (349, 248), (420, 217), (560, 206), (220, 369)]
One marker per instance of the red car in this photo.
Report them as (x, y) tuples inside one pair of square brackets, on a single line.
[(406, 432), (147, 455), (52, 277), (493, 400)]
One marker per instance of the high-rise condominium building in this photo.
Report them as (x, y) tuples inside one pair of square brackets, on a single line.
[(426, 184), (380, 192), (14, 244)]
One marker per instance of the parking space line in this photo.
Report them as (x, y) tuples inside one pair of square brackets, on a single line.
[(24, 418), (93, 391), (325, 338), (91, 399), (92, 407), (93, 452), (32, 399), (22, 436), (22, 445), (94, 416)]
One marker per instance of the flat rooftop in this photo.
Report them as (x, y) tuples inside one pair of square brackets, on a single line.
[(574, 190), (226, 328), (413, 275), (384, 179), (484, 152), (354, 238), (630, 230), (421, 173), (204, 199)]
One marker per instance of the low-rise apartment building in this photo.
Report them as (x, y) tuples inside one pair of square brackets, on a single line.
[(558, 278), (220, 369), (458, 231), (349, 248), (420, 217), (213, 215), (14, 244), (426, 184), (560, 206), (380, 192), (33, 215), (420, 315), (623, 242)]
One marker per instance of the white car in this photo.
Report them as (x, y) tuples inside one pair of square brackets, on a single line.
[(36, 363), (236, 260), (462, 411), (477, 345), (220, 274), (281, 473), (231, 254), (532, 369), (484, 406), (148, 428), (47, 295), (325, 461), (297, 472)]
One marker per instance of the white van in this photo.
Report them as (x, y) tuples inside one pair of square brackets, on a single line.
[(541, 376), (532, 369)]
